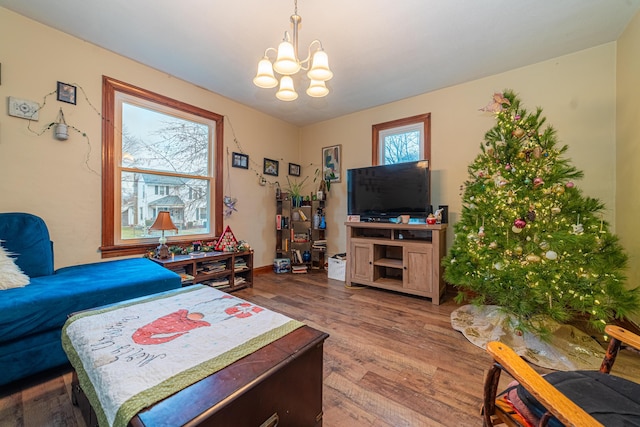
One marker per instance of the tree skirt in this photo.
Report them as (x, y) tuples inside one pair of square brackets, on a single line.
[(567, 348)]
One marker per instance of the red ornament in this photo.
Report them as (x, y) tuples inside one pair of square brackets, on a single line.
[(520, 223), (537, 182), (570, 184)]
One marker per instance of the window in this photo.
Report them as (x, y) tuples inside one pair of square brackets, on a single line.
[(404, 140), (157, 153)]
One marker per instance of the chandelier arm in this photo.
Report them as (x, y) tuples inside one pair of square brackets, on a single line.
[(307, 60), (270, 49)]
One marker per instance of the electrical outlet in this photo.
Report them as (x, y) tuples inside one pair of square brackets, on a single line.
[(23, 108)]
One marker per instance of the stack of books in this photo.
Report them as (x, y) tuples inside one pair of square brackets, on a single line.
[(212, 267), (240, 264), (320, 244), (184, 276), (219, 283), (299, 269)]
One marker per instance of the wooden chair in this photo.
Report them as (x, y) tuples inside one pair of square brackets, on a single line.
[(551, 400)]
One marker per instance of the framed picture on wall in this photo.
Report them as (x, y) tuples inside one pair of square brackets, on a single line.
[(270, 167), (66, 93), (331, 162), (294, 170), (240, 160)]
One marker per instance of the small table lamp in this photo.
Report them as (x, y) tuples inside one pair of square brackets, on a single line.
[(163, 222)]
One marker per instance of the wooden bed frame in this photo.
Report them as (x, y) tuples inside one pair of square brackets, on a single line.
[(279, 384)]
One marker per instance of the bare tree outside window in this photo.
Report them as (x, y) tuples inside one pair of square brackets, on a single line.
[(402, 147)]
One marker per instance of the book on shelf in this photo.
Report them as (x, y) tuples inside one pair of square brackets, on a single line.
[(297, 269), (302, 215)]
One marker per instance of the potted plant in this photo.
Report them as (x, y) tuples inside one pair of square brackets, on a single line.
[(295, 191)]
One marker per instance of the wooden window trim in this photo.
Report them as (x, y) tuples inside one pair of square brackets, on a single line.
[(376, 129), (109, 87)]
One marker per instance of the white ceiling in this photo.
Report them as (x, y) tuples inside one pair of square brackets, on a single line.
[(379, 50)]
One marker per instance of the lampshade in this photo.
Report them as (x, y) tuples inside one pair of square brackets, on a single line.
[(317, 89), (286, 63), (163, 222), (320, 67), (286, 91), (265, 78)]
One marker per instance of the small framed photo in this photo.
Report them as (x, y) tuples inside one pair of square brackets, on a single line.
[(331, 161), (240, 160), (294, 170), (270, 167), (66, 93)]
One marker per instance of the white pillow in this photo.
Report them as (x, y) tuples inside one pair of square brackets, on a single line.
[(10, 274)]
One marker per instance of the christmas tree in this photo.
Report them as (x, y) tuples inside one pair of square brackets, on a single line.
[(528, 240)]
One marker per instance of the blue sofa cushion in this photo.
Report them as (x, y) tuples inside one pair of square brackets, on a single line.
[(26, 236), (47, 301)]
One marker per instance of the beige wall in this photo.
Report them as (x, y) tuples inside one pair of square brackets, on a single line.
[(50, 178), (56, 180), (628, 146), (577, 93)]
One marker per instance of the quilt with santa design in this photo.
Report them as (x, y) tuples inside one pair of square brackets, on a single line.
[(134, 354)]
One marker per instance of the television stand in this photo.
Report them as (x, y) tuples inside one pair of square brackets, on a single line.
[(399, 257)]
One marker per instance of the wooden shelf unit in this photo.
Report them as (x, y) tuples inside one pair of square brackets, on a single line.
[(399, 257), (229, 272), (289, 229)]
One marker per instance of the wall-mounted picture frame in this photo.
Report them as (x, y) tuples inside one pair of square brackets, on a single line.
[(270, 167), (331, 163), (66, 93), (294, 170), (239, 160)]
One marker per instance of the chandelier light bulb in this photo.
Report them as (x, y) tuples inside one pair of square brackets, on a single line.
[(320, 67), (265, 78), (286, 91), (317, 89), (286, 63)]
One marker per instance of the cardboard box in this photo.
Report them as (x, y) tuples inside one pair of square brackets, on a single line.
[(337, 269)]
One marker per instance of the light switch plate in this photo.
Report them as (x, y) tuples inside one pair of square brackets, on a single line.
[(23, 108)]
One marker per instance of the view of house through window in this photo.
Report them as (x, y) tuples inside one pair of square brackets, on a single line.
[(159, 154), (404, 140), (166, 162)]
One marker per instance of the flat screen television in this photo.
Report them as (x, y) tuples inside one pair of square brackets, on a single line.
[(384, 192)]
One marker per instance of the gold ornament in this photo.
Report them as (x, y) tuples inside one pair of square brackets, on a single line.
[(537, 152), (518, 132)]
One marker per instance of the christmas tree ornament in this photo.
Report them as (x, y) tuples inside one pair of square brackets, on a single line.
[(537, 152), (518, 250), (493, 245), (555, 210), (531, 215), (544, 245), (516, 229), (518, 132), (551, 255), (520, 223), (537, 182), (481, 232), (498, 265), (570, 184), (533, 258)]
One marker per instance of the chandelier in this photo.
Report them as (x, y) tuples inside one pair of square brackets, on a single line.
[(287, 63)]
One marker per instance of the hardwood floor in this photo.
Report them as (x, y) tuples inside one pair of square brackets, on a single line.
[(391, 360)]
